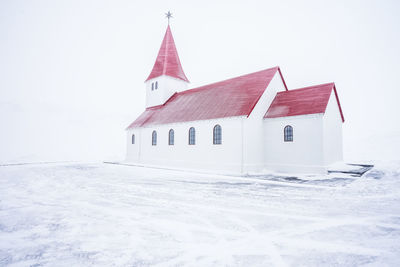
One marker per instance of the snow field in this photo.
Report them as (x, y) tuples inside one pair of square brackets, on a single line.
[(80, 214)]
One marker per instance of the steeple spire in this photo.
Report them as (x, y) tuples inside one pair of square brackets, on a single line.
[(168, 16), (167, 62)]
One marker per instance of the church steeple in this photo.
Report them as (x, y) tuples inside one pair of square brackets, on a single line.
[(167, 76), (167, 62)]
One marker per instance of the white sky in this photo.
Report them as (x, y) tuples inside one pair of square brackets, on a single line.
[(72, 72)]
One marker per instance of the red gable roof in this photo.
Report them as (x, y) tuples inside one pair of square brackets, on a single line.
[(167, 62), (303, 101), (229, 98)]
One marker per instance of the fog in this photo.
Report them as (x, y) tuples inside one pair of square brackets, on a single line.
[(72, 72)]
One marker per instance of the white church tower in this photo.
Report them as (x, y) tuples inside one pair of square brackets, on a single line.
[(167, 76)]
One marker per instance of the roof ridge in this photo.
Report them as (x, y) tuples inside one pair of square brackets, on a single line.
[(222, 81), (166, 49), (308, 87)]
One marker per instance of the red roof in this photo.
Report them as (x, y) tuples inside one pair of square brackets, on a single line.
[(167, 62), (303, 101), (229, 98)]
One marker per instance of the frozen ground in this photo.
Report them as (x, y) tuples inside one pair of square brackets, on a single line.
[(110, 215)]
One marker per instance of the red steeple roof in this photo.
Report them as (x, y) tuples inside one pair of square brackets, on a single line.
[(167, 62)]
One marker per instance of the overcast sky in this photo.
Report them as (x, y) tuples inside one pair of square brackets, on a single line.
[(72, 72)]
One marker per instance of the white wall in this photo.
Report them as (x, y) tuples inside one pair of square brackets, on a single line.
[(332, 129), (167, 86), (204, 154), (304, 154), (133, 150), (253, 133)]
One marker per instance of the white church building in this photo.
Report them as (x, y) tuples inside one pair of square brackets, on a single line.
[(245, 124)]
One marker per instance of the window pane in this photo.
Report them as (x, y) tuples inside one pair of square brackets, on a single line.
[(171, 137), (192, 136), (217, 135), (288, 133), (154, 138)]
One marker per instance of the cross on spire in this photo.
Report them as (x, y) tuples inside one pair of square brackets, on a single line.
[(168, 16)]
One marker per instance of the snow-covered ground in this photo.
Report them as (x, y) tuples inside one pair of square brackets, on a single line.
[(79, 214)]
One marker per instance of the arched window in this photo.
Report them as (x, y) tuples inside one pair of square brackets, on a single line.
[(133, 139), (156, 85), (192, 136), (288, 133), (171, 137), (217, 135), (154, 138), (152, 86)]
